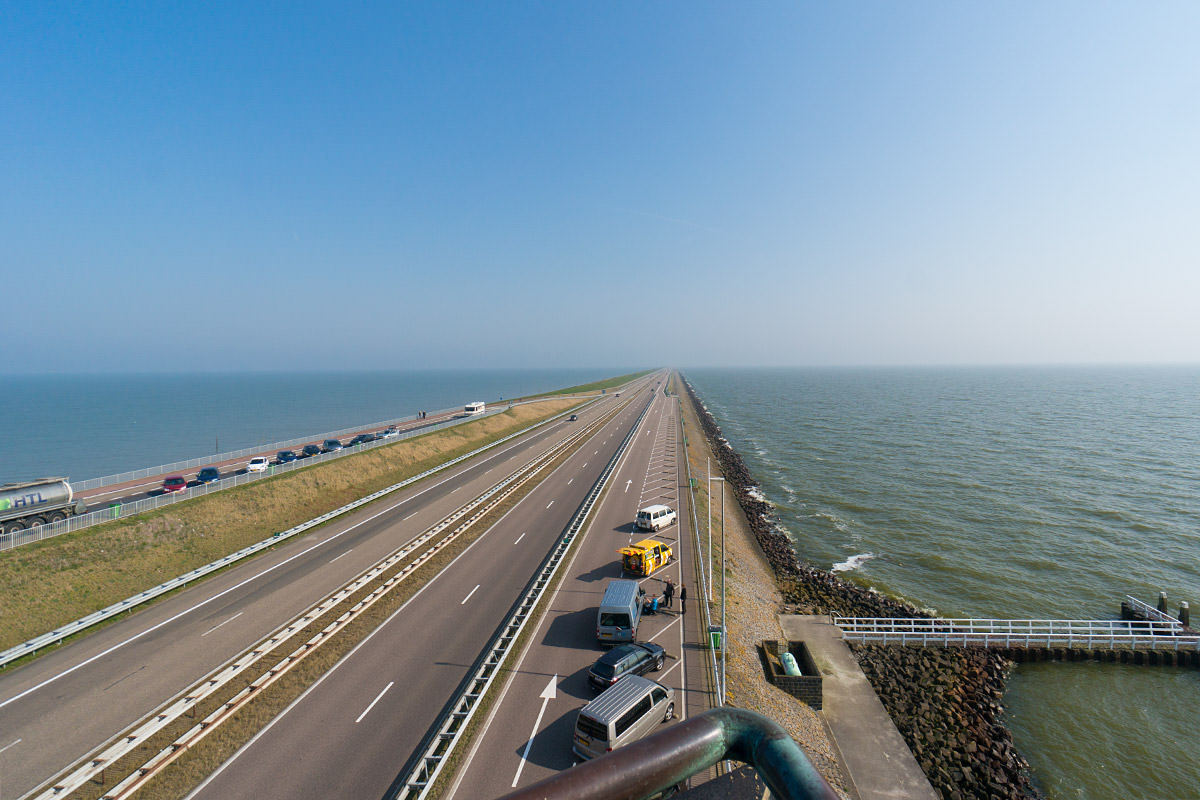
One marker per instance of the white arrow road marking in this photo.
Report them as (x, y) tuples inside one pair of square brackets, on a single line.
[(627, 485), (213, 628), (473, 591), (373, 702), (547, 695)]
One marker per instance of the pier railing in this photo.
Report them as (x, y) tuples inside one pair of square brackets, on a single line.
[(1152, 634)]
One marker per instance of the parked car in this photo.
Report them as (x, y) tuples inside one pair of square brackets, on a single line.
[(310, 450), (330, 445), (285, 456), (573, 418), (635, 658), (388, 433), (258, 464), (208, 475), (175, 483), (362, 438)]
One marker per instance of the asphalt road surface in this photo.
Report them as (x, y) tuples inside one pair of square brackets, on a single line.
[(350, 735), (65, 705)]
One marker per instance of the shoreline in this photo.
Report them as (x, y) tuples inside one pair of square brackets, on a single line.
[(946, 702)]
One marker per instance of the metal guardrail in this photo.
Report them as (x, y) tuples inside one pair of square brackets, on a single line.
[(667, 758), (446, 732), (120, 510), (1019, 633), (57, 635)]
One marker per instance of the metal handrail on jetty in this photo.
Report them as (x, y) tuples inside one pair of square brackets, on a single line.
[(1149, 634)]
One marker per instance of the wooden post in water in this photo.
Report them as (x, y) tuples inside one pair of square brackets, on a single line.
[(1162, 602), (1184, 614)]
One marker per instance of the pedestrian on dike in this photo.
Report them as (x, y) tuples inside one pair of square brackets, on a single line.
[(668, 593), (682, 599)]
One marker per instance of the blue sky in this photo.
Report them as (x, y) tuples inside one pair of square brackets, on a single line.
[(297, 186)]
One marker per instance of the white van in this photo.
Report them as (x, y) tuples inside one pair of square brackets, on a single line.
[(653, 518), (626, 711)]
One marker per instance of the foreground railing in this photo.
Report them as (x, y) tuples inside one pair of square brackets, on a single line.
[(671, 756), (1028, 633)]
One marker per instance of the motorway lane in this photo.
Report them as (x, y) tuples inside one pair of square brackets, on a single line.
[(64, 705), (350, 735), (509, 752)]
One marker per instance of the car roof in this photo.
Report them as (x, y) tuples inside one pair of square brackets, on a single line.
[(656, 507), (615, 699)]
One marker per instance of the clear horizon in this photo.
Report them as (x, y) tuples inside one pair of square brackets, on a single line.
[(251, 189)]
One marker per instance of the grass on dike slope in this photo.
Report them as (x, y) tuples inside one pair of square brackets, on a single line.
[(53, 582), (609, 383)]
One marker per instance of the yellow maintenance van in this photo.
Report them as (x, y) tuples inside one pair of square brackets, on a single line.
[(642, 558)]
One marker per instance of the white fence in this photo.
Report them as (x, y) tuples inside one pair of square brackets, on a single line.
[(1026, 633)]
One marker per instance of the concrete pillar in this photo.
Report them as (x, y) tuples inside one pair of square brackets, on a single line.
[(1184, 615), (1162, 602)]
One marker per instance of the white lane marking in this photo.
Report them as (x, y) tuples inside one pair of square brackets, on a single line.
[(584, 465), (455, 489), (594, 452), (664, 630), (410, 516), (569, 482), (213, 628), (547, 695), (14, 744), (373, 702), (468, 597), (522, 536), (550, 504), (335, 558)]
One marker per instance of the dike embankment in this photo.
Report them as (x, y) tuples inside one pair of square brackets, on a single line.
[(946, 702)]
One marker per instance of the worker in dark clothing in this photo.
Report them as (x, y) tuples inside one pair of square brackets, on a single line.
[(668, 593), (682, 599)]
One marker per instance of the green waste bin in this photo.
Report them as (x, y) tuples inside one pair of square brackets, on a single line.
[(714, 637), (114, 510)]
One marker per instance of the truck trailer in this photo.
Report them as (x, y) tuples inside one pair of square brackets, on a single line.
[(33, 503)]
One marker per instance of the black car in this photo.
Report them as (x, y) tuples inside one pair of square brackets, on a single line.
[(330, 446), (310, 450), (285, 456), (362, 438), (635, 658), (208, 475)]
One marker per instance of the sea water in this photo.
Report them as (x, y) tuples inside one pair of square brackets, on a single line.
[(1046, 493)]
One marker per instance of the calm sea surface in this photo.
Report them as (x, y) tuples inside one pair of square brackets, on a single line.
[(88, 426), (1013, 493)]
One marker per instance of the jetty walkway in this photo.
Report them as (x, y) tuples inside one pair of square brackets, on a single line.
[(1145, 635)]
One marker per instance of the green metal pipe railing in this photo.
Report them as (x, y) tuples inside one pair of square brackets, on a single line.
[(669, 757)]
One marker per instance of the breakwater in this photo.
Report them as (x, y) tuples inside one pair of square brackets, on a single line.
[(946, 702)]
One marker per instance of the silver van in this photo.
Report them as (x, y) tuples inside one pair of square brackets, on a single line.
[(625, 712), (620, 612)]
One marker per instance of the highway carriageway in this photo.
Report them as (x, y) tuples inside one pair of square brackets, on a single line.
[(65, 705), (360, 728)]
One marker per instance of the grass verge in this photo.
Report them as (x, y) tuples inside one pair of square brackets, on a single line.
[(58, 580)]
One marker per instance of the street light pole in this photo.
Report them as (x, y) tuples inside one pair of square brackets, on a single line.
[(724, 632), (708, 469)]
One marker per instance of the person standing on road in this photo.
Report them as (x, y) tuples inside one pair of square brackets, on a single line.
[(668, 593), (682, 599)]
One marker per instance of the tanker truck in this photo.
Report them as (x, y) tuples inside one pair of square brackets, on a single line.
[(26, 505)]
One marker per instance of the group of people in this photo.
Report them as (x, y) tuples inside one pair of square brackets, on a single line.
[(667, 599)]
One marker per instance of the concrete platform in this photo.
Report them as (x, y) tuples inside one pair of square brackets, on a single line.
[(879, 763)]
